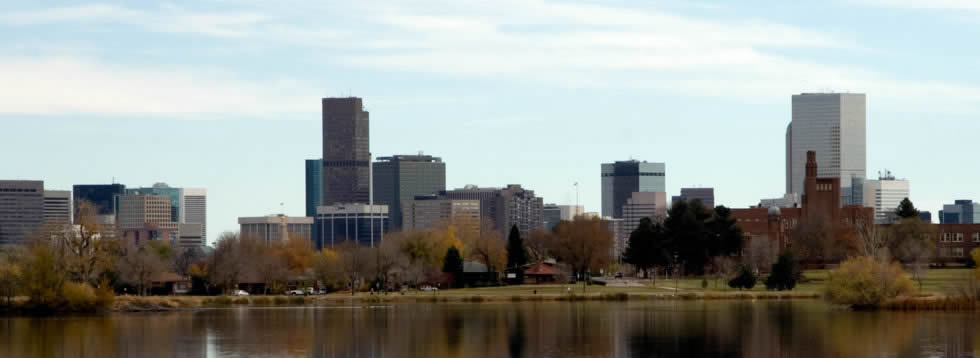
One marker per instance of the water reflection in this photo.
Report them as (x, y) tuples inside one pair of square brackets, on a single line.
[(595, 329)]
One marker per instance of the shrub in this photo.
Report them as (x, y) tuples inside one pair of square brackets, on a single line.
[(281, 300), (78, 297), (865, 283), (745, 279), (785, 273)]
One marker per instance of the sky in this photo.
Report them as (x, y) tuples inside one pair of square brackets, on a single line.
[(225, 95)]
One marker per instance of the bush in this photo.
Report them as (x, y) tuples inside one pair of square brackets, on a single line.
[(865, 283), (745, 279), (281, 300), (78, 297), (785, 273)]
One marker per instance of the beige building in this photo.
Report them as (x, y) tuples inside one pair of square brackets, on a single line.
[(276, 227), (425, 213), (146, 217), (641, 205)]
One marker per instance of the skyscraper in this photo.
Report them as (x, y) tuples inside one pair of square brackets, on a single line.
[(884, 195), (960, 212), (104, 197), (346, 152), (176, 196), (196, 210), (147, 217), (21, 210), (314, 185), (833, 125), (705, 195), (621, 179), (57, 207), (400, 178), (503, 208)]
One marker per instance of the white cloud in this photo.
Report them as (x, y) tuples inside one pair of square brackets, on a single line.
[(926, 4), (69, 85)]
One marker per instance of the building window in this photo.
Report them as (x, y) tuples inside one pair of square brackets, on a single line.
[(944, 252), (957, 252), (976, 237), (958, 237)]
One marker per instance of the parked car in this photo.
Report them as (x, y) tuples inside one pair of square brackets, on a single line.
[(239, 293), (322, 291), (296, 292), (619, 275), (428, 288)]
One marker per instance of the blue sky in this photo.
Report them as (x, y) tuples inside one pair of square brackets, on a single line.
[(225, 94)]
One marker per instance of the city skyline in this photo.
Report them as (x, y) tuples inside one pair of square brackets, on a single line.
[(625, 98)]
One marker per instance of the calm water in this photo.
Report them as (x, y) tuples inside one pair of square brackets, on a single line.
[(593, 329)]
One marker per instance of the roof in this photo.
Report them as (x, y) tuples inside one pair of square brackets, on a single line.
[(541, 269), (473, 266)]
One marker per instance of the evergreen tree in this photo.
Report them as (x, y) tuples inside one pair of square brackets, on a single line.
[(647, 247), (725, 235), (745, 279), (785, 273), (906, 209), (688, 235), (453, 264), (516, 253)]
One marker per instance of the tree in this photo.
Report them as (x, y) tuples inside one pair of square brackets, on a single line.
[(691, 241), (906, 210), (489, 249), (745, 280), (228, 262), (452, 264), (10, 276), (85, 250), (647, 247), (726, 237), (784, 274), (872, 241), (326, 266), (582, 243), (187, 257), (355, 263), (42, 276), (759, 253), (811, 239), (516, 253), (139, 264)]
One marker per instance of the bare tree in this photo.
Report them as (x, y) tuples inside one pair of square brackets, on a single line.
[(227, 263), (487, 247), (355, 263), (759, 254), (85, 250), (140, 264), (872, 240)]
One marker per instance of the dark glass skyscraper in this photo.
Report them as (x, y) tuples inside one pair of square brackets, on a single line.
[(314, 185), (105, 197), (621, 179), (400, 178), (346, 152)]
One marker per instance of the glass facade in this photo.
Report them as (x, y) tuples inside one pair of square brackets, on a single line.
[(105, 197), (314, 185), (346, 155), (400, 178), (621, 179)]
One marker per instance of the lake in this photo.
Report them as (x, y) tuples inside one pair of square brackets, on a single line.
[(802, 328)]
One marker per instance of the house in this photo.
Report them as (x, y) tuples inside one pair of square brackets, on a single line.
[(477, 274), (542, 272)]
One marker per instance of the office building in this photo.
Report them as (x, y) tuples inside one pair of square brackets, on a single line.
[(190, 235), (503, 208), (569, 212), (960, 212), (428, 212), (176, 196), (196, 210), (884, 195), (346, 152), (314, 185), (833, 125), (361, 223), (789, 200), (57, 207), (21, 210), (621, 179), (644, 205), (103, 197), (925, 216), (550, 216), (705, 195), (400, 178), (620, 234), (276, 227), (147, 217)]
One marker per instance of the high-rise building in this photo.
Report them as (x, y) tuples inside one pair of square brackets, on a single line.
[(21, 210), (401, 178), (960, 212), (190, 235), (644, 205), (57, 207), (503, 208), (569, 212), (276, 227), (314, 185), (550, 216), (103, 197), (884, 195), (621, 179), (346, 152), (833, 125), (705, 195), (147, 217), (620, 236), (196, 210), (427, 212), (176, 196), (362, 223)]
